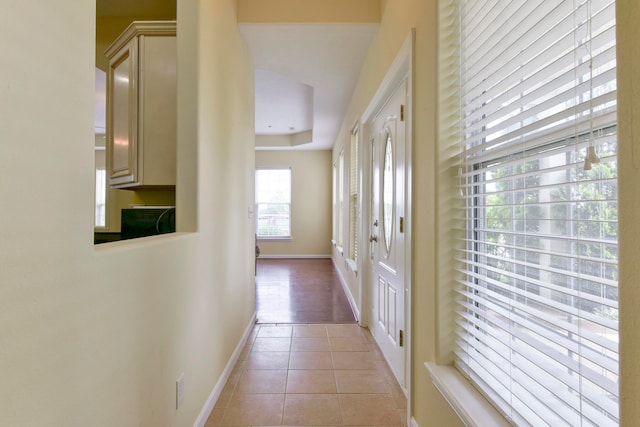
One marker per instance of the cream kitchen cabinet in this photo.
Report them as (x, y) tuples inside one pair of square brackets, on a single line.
[(141, 106)]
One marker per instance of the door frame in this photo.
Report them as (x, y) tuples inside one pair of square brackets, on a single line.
[(402, 68)]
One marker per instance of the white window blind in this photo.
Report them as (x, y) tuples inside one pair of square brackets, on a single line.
[(537, 326), (353, 197), (273, 203)]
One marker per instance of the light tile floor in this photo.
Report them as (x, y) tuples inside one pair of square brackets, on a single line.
[(310, 375)]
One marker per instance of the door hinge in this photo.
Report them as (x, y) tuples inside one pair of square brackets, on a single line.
[(401, 338), (402, 224), (401, 113)]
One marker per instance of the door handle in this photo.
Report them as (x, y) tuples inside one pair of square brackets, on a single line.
[(373, 238)]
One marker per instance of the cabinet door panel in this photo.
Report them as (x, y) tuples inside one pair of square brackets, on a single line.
[(122, 111)]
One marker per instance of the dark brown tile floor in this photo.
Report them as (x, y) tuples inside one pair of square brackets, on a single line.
[(300, 291)]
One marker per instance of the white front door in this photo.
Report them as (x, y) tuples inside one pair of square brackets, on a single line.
[(387, 239)]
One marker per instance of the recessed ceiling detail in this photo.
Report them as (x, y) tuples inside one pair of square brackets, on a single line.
[(326, 57), (283, 105)]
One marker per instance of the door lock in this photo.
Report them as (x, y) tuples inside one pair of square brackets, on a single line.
[(373, 238)]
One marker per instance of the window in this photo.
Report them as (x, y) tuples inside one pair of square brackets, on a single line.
[(334, 217), (354, 222), (101, 197), (341, 199), (273, 203), (538, 295)]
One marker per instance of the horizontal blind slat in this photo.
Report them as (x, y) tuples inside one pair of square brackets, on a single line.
[(597, 339)]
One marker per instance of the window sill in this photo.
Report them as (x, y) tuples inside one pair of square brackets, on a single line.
[(274, 239), (470, 405)]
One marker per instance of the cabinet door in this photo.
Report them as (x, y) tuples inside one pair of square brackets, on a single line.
[(122, 115)]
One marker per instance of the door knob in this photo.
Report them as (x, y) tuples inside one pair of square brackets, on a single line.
[(373, 238)]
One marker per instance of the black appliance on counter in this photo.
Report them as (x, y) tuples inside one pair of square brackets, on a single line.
[(147, 221)]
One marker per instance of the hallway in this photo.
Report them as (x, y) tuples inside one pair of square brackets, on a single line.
[(300, 291), (320, 374)]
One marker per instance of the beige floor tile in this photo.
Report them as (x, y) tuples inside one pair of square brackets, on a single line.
[(245, 351), (225, 396), (354, 360), (309, 331), (312, 409), (375, 351), (275, 331), (367, 336), (402, 413), (310, 360), (254, 410), (348, 344), (311, 381), (268, 360), (309, 344), (398, 395), (369, 410), (262, 381), (271, 344), (345, 330), (215, 418), (236, 373), (357, 381)]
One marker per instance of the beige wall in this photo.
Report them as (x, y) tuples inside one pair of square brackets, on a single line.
[(98, 336), (310, 201)]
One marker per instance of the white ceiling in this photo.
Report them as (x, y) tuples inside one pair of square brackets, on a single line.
[(326, 57), (274, 118)]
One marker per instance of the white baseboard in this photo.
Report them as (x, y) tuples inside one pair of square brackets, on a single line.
[(293, 256), (347, 292), (217, 390)]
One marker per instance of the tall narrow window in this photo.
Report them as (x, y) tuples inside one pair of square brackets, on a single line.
[(341, 199), (334, 217), (538, 306), (273, 203), (101, 190), (354, 216), (100, 206)]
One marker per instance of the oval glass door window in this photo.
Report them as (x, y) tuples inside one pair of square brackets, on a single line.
[(387, 191)]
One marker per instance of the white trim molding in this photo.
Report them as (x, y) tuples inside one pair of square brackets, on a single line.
[(347, 292), (222, 381), (294, 256), (471, 406)]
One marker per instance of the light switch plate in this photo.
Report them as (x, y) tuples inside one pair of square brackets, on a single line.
[(179, 391)]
